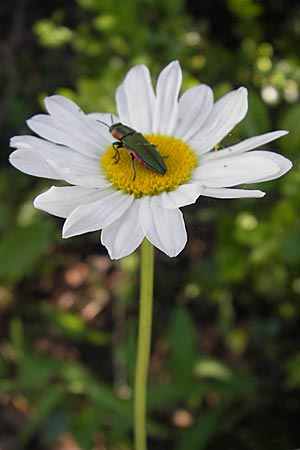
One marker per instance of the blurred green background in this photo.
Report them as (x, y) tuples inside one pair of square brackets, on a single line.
[(225, 366)]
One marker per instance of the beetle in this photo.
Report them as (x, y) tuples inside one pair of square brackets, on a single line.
[(137, 146)]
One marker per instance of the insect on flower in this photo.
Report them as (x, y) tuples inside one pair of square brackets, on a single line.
[(137, 146), (73, 147)]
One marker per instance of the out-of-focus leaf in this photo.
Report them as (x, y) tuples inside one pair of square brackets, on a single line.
[(211, 368), (199, 435), (17, 335), (45, 405), (21, 247), (246, 8), (291, 246), (257, 120), (82, 382), (36, 371), (74, 326), (87, 423), (293, 372), (182, 346), (290, 121), (51, 34)]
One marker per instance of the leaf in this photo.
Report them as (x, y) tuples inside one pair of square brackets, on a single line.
[(73, 326), (43, 409), (182, 339), (21, 247), (35, 372), (87, 424), (257, 120), (290, 122), (81, 381), (200, 434), (211, 368)]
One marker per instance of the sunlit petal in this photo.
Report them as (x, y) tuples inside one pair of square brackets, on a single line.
[(135, 99), (97, 214), (124, 235), (164, 228), (166, 106)]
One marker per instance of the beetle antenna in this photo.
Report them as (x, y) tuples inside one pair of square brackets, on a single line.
[(111, 118), (103, 123)]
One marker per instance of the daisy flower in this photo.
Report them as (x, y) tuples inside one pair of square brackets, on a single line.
[(103, 194)]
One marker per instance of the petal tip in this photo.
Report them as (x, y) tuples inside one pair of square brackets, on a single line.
[(172, 66), (11, 158), (12, 142), (261, 194), (175, 63), (65, 234), (48, 100), (243, 90), (52, 99)]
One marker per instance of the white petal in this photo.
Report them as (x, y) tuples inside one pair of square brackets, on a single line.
[(164, 228), (61, 201), (65, 110), (33, 153), (97, 118), (166, 106), (123, 236), (225, 115), (232, 193), (283, 164), (72, 119), (79, 176), (98, 214), (195, 104), (108, 118), (33, 163), (135, 99), (46, 127), (184, 195), (244, 146), (245, 168)]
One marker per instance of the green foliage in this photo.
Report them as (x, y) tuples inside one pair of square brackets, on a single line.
[(183, 351), (21, 247), (290, 120), (225, 357), (72, 326)]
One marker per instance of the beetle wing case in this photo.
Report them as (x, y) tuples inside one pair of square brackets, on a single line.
[(145, 152)]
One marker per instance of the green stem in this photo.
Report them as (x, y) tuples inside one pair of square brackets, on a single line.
[(143, 346)]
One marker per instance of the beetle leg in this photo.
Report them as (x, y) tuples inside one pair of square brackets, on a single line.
[(116, 145), (133, 168)]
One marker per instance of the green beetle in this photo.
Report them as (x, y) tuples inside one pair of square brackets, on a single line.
[(137, 146)]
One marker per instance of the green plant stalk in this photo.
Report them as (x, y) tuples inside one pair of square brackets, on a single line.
[(143, 345)]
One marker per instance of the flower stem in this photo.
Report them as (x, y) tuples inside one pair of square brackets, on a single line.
[(143, 346)]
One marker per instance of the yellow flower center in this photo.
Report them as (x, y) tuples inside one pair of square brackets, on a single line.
[(179, 158)]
